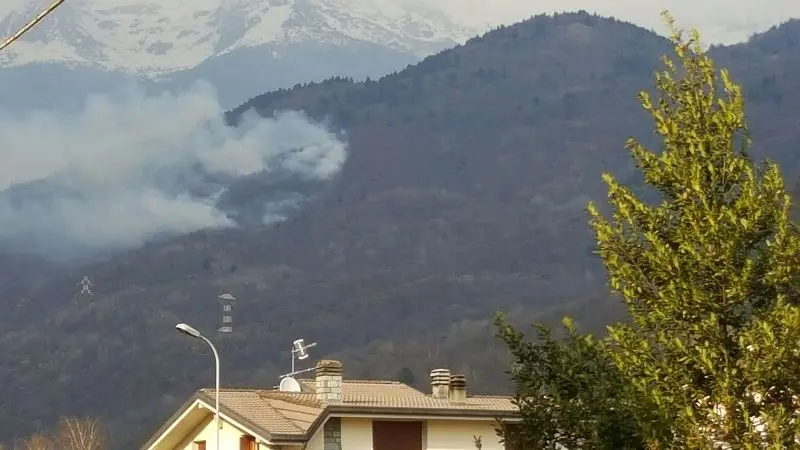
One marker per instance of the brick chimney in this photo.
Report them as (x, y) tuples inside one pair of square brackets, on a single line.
[(458, 389), (328, 381), (440, 382)]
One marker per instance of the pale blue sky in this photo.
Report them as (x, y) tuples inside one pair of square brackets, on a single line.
[(718, 20)]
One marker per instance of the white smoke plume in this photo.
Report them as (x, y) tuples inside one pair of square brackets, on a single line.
[(128, 169)]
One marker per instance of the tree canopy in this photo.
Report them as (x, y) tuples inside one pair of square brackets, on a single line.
[(710, 357), (570, 392), (72, 433)]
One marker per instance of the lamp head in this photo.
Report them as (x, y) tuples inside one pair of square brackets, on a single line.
[(187, 330)]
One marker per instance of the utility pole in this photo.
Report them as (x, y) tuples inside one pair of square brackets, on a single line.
[(31, 23)]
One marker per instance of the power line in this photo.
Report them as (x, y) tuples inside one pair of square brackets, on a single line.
[(31, 23)]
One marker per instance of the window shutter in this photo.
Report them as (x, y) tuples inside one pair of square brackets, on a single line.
[(247, 443)]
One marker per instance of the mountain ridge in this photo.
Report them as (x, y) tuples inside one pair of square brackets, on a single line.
[(152, 39), (463, 194)]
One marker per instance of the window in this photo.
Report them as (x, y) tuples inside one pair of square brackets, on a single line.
[(388, 435), (247, 443), (200, 445)]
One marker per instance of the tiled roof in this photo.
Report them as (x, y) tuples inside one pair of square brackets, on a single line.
[(293, 414), (391, 394), (273, 415), (372, 388)]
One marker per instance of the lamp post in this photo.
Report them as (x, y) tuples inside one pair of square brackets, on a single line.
[(189, 331)]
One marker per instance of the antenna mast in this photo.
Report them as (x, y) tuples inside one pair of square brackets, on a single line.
[(299, 351)]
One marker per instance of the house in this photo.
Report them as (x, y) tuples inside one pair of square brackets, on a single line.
[(329, 413)]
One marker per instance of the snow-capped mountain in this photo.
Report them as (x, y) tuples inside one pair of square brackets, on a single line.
[(151, 37), (242, 47)]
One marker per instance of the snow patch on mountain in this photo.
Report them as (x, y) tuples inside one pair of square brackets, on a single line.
[(161, 36)]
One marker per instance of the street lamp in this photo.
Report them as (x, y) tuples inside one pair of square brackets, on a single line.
[(189, 331)]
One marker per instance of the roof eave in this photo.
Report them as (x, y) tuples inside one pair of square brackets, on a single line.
[(330, 410), (238, 418), (406, 411), (171, 420), (326, 412), (288, 439)]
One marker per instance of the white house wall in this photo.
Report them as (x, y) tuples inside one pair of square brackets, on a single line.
[(316, 442), (356, 433), (439, 434), (460, 434), (229, 437)]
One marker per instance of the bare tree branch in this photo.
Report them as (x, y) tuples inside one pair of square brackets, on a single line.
[(38, 442), (81, 434), (31, 24)]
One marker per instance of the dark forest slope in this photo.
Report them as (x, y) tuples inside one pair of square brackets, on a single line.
[(463, 194)]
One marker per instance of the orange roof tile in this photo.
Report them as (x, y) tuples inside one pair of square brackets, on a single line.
[(293, 414), (274, 416)]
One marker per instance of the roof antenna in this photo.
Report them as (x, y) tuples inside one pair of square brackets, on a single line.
[(299, 351)]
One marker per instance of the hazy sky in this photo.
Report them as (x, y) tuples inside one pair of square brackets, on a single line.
[(718, 20)]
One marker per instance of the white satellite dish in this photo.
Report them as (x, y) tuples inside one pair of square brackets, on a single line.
[(289, 384)]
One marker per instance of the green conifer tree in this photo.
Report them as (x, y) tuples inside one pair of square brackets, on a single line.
[(569, 392), (709, 275)]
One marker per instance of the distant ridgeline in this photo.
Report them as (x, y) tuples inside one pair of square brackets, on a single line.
[(463, 193)]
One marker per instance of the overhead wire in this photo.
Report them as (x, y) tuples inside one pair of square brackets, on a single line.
[(31, 23)]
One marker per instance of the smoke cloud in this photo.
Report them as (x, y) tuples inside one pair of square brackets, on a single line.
[(126, 170)]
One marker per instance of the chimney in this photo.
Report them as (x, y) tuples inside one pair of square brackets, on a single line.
[(458, 389), (440, 381), (328, 381)]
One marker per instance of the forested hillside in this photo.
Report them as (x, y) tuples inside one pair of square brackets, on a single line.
[(463, 194)]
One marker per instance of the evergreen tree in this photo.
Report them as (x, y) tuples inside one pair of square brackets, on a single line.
[(709, 276), (569, 392), (711, 356)]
